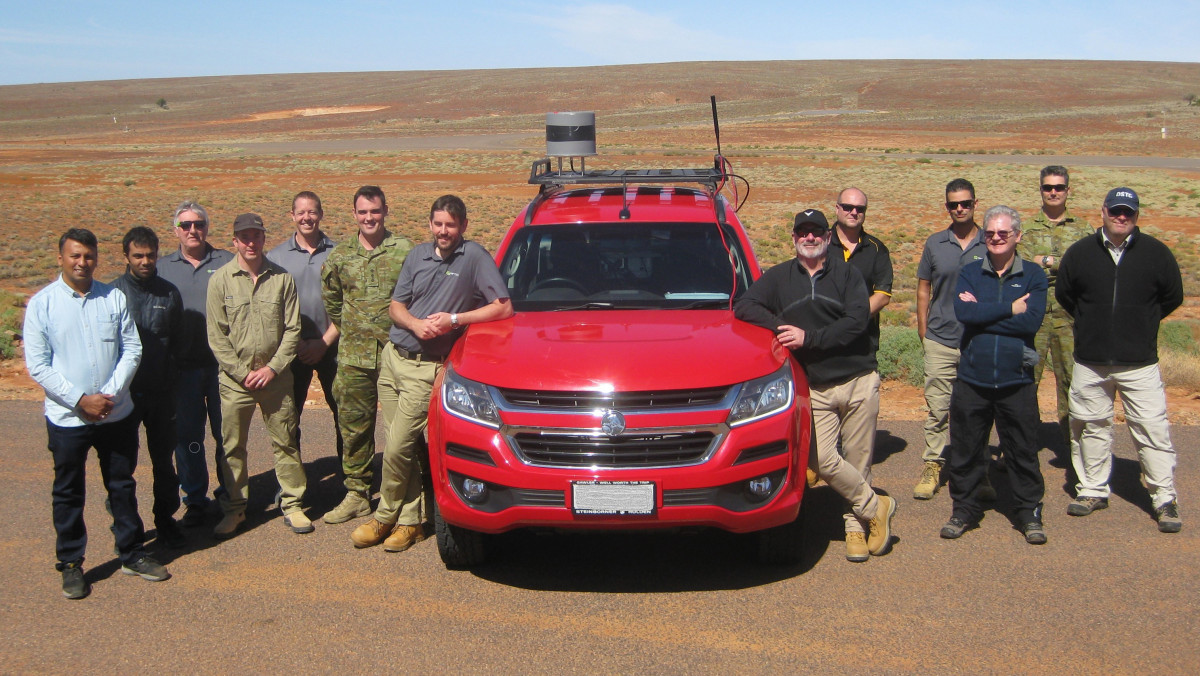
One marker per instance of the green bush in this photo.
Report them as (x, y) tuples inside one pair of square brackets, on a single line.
[(1177, 337), (901, 356)]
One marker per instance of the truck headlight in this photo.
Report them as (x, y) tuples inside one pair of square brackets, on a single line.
[(469, 399), (762, 397)]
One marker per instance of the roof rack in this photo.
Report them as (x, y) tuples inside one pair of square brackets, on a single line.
[(543, 174)]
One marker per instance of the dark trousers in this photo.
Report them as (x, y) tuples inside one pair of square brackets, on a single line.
[(116, 447), (1014, 411), (197, 401), (302, 375), (156, 411)]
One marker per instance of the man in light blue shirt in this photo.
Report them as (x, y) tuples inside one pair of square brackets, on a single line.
[(82, 347)]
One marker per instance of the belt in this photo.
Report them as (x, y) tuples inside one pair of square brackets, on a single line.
[(417, 356)]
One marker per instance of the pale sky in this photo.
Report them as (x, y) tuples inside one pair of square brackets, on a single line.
[(73, 41)]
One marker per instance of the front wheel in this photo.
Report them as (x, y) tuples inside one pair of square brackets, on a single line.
[(458, 547)]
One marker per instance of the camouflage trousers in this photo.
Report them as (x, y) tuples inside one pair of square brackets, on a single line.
[(1056, 340), (358, 395)]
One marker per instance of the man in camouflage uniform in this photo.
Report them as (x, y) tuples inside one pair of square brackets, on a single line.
[(1045, 239), (356, 285)]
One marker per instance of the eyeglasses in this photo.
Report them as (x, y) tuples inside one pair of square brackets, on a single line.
[(851, 208), (963, 204), (1001, 235), (1115, 212), (188, 225), (1054, 187)]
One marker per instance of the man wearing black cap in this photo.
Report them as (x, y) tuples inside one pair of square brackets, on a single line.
[(818, 309), (253, 329), (1116, 350)]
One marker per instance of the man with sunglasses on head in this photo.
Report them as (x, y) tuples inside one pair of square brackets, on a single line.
[(818, 307), (852, 413), (946, 252), (1045, 238), (1116, 351), (197, 397)]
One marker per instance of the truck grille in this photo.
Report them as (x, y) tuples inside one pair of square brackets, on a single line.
[(597, 450), (624, 401)]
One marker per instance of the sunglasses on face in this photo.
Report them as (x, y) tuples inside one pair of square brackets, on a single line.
[(1122, 211), (963, 204), (1054, 187), (851, 208), (188, 225), (805, 230), (1001, 235)]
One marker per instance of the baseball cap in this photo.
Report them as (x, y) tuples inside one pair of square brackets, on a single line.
[(1121, 197), (248, 222), (811, 217)]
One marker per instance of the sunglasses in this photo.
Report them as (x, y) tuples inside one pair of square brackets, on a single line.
[(1001, 235), (188, 225), (851, 208), (1121, 211), (805, 230), (1054, 187), (963, 204)]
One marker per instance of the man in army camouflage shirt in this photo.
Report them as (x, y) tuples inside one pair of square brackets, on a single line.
[(1045, 239), (356, 285)]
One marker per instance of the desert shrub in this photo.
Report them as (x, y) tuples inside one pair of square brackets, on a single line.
[(893, 317), (1177, 337), (12, 316), (900, 355), (1179, 369)]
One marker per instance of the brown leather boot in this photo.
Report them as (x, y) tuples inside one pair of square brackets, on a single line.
[(370, 533)]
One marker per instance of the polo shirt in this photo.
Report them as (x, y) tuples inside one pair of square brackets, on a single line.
[(467, 280), (192, 282), (940, 262), (305, 268), (874, 262)]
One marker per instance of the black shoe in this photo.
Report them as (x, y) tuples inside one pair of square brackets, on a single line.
[(194, 516), (1034, 533), (170, 534), (75, 585), (147, 569), (954, 528), (1168, 518)]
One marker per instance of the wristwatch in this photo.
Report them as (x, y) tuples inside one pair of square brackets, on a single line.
[(1043, 261), (454, 319)]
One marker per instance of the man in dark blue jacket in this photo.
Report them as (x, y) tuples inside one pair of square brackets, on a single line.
[(1000, 303), (1118, 285)]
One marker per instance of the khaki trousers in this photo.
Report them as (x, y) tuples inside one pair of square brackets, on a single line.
[(845, 417), (941, 370), (279, 416), (407, 383)]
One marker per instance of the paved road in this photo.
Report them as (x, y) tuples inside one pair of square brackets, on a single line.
[(1108, 593)]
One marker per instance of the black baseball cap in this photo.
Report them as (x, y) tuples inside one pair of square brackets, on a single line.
[(810, 217), (248, 222)]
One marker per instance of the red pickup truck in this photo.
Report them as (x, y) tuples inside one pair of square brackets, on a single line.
[(622, 394)]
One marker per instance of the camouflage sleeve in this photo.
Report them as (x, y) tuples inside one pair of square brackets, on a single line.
[(331, 288)]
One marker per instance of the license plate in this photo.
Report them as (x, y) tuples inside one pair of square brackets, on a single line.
[(612, 497)]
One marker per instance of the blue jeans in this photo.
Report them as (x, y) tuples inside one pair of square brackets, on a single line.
[(116, 447), (196, 398)]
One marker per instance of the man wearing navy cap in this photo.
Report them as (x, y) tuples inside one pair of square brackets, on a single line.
[(1116, 350)]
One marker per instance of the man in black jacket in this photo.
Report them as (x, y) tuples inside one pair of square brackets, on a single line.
[(1118, 285), (818, 309), (158, 313)]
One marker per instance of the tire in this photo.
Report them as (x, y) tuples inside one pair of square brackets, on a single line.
[(458, 547), (782, 545)]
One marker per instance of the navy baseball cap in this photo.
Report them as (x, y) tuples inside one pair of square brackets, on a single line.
[(1121, 197)]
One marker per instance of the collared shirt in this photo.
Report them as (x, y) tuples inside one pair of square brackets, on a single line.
[(192, 283), (356, 286), (1115, 250), (251, 323), (467, 280), (874, 262), (940, 262), (157, 312), (78, 345), (305, 268), (1041, 237)]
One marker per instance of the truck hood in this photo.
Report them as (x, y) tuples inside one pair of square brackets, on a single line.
[(622, 350)]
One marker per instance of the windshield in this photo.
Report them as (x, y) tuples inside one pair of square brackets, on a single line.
[(623, 265)]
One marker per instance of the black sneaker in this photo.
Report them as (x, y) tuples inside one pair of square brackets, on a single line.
[(1035, 534), (170, 534), (194, 516), (147, 569), (75, 585), (954, 528), (1168, 518)]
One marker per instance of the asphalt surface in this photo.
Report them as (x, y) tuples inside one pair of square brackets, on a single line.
[(1107, 593)]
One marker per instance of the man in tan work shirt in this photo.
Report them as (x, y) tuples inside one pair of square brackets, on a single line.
[(253, 329)]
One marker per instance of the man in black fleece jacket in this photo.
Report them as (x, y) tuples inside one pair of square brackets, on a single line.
[(1118, 285), (818, 309)]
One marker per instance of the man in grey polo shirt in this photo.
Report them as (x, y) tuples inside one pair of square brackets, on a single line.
[(302, 255), (945, 253), (444, 285), (196, 394)]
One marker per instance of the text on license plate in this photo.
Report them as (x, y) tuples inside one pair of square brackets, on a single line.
[(612, 497)]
